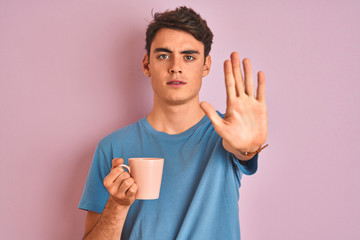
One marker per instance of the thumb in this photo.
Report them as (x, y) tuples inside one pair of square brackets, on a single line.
[(211, 113), (116, 162)]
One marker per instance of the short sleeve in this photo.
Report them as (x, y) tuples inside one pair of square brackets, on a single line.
[(95, 195), (251, 166)]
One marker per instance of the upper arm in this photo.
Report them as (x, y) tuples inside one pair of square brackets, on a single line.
[(91, 219)]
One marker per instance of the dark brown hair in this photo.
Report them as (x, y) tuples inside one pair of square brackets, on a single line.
[(182, 18)]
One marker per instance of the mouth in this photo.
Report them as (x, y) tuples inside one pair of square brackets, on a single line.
[(175, 83)]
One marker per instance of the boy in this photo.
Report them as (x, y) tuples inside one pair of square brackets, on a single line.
[(205, 152)]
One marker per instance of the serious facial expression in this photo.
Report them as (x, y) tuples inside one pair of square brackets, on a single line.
[(176, 66)]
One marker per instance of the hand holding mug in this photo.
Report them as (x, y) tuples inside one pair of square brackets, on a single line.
[(120, 184)]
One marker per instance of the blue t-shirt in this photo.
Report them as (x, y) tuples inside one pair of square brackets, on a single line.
[(200, 184)]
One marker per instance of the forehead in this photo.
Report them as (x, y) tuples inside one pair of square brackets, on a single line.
[(176, 40)]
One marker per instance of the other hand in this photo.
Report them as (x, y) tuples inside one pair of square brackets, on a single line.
[(244, 127)]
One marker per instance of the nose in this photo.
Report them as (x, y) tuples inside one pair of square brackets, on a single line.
[(175, 66), (174, 70)]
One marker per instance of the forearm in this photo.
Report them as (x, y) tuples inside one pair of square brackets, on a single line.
[(111, 222)]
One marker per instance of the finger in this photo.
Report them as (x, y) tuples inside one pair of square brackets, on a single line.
[(114, 187), (211, 113), (260, 95), (236, 69), (249, 80), (116, 162), (131, 192), (229, 81), (126, 184), (112, 176)]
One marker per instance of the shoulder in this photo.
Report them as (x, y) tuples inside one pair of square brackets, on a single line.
[(121, 134)]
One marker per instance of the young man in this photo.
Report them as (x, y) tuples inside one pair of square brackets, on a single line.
[(205, 152)]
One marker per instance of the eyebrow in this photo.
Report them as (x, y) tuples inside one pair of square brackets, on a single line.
[(182, 52)]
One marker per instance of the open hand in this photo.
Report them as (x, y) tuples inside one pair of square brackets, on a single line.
[(244, 127)]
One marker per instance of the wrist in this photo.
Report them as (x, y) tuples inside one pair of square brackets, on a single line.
[(249, 149), (252, 152), (115, 205)]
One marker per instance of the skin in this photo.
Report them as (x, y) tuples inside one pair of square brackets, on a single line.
[(244, 127), (175, 109), (176, 56)]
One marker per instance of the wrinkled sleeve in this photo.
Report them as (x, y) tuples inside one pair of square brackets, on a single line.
[(240, 169), (250, 167), (95, 195)]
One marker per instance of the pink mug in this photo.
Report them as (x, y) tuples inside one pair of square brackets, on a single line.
[(147, 173)]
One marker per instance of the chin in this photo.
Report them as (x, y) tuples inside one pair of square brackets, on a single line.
[(177, 102)]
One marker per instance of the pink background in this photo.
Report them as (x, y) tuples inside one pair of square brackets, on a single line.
[(71, 73)]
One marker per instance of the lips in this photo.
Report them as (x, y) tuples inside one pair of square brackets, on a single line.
[(175, 83)]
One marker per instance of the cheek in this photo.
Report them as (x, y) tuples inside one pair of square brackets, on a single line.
[(195, 70), (201, 72)]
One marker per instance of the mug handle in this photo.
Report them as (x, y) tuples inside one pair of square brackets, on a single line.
[(125, 166)]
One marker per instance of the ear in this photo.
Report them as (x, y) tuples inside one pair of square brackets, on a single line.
[(207, 66), (145, 65)]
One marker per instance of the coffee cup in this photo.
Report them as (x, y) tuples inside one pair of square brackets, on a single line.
[(147, 173)]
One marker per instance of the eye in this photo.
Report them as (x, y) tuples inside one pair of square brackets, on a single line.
[(163, 56), (189, 58)]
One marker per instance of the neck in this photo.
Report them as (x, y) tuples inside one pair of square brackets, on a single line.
[(175, 119)]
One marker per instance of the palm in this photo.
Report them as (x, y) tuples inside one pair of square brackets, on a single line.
[(244, 126)]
